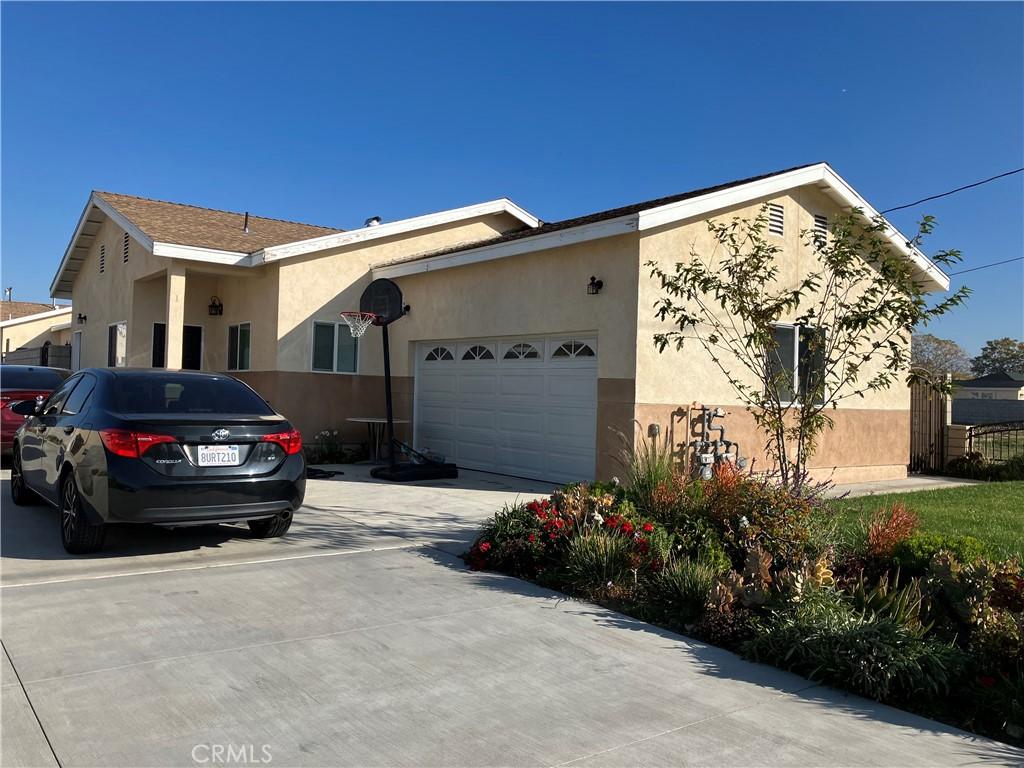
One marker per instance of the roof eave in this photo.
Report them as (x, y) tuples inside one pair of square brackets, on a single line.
[(364, 234)]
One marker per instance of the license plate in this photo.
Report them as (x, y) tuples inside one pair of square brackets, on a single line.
[(218, 456)]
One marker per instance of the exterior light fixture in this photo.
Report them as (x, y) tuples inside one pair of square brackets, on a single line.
[(594, 286), (216, 307), (81, 319)]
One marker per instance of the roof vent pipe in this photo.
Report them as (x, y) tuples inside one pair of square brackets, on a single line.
[(373, 221), (245, 224)]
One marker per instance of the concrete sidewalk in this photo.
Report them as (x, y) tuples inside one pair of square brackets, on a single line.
[(908, 484), (363, 640)]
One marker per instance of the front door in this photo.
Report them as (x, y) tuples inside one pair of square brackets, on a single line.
[(192, 347)]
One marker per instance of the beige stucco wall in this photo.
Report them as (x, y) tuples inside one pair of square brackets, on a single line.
[(34, 333), (870, 436), (322, 285)]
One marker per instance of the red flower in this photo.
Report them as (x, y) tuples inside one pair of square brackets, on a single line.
[(627, 528), (553, 535), (485, 547), (532, 537), (987, 681), (559, 523), (648, 527)]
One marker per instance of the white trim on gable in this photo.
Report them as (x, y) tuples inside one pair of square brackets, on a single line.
[(353, 236), (580, 234), (197, 253), (820, 175), (37, 316)]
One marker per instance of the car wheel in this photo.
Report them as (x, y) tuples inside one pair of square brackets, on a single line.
[(271, 527), (20, 493), (77, 534)]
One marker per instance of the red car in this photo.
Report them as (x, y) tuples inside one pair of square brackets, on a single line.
[(23, 382)]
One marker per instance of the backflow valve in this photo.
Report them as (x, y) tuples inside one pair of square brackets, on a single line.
[(707, 452)]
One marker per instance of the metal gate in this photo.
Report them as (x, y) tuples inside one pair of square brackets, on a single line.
[(928, 415)]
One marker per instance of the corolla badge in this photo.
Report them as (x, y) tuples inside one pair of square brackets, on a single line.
[(221, 434)]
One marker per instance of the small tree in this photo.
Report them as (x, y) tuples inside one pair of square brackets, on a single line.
[(853, 315), (936, 357), (1004, 355)]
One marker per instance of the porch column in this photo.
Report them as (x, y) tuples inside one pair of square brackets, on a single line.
[(175, 315)]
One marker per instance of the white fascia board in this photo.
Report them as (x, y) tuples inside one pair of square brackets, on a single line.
[(196, 253), (363, 234), (38, 316), (112, 213), (580, 234), (820, 174)]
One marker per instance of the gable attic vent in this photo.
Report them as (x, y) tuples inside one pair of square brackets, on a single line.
[(776, 219), (124, 248), (103, 259), (820, 229)]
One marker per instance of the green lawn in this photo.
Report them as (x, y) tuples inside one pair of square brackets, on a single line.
[(992, 512)]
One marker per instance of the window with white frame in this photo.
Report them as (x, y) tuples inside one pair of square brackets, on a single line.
[(797, 364), (438, 355), (335, 350), (239, 346), (478, 352), (574, 349), (521, 351)]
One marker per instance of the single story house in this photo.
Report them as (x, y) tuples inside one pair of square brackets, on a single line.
[(509, 359), (1000, 385), (30, 325)]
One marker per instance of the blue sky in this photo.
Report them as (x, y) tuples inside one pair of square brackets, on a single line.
[(330, 113)]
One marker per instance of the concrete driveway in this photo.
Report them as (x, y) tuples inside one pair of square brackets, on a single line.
[(361, 639)]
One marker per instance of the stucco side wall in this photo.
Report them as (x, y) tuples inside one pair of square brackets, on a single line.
[(107, 298), (534, 293), (322, 285), (34, 333), (671, 376)]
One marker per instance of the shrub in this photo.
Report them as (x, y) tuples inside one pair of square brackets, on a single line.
[(975, 466), (598, 559), (730, 629), (684, 587), (826, 639), (914, 554), (651, 468), (889, 528), (696, 538)]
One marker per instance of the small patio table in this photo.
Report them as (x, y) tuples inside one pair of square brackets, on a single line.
[(375, 425)]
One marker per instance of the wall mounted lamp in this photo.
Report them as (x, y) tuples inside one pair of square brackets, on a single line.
[(594, 286), (216, 307), (82, 318)]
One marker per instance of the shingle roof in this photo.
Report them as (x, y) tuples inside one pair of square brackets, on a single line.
[(999, 379), (12, 310), (611, 213), (207, 227)]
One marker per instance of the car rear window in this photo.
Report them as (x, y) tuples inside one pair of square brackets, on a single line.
[(32, 378), (186, 395)]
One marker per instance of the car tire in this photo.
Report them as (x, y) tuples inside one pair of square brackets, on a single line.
[(20, 493), (271, 527), (77, 534)]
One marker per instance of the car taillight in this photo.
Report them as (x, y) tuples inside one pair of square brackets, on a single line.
[(131, 445), (291, 441)]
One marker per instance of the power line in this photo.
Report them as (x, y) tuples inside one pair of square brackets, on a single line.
[(986, 266), (952, 191)]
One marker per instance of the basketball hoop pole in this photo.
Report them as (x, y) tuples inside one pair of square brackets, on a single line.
[(387, 397)]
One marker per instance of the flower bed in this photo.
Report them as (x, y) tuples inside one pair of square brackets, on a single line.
[(922, 622)]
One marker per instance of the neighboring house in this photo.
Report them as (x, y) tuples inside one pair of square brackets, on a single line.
[(994, 386), (28, 325), (506, 361)]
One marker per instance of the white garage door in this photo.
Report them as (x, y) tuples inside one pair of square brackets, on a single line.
[(525, 407)]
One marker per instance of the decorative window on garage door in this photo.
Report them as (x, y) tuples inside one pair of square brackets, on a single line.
[(478, 352), (522, 352), (439, 354), (572, 349)]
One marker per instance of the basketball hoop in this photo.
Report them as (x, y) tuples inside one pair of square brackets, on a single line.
[(358, 322)]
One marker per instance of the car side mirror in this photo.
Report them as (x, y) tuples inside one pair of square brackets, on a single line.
[(27, 407)]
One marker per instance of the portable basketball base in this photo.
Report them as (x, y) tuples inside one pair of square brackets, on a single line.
[(381, 304)]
